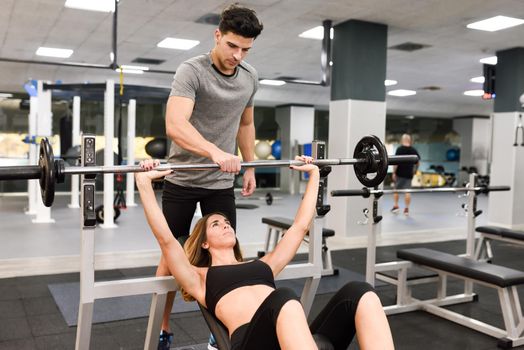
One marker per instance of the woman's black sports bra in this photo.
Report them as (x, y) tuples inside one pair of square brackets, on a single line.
[(221, 280)]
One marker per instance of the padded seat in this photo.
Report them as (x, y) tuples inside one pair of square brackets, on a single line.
[(502, 232), (476, 270), (285, 224)]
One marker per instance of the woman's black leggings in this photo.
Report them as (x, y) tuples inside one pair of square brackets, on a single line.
[(336, 321)]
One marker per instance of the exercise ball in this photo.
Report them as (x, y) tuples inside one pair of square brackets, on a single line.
[(157, 148), (262, 149), (453, 154), (276, 149)]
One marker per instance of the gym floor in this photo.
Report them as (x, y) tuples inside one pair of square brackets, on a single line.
[(30, 319)]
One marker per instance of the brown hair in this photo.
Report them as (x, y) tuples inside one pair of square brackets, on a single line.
[(241, 21), (199, 256)]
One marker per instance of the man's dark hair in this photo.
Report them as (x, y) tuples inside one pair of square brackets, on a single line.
[(240, 21)]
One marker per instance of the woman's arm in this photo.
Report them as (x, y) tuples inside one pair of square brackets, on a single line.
[(184, 273), (289, 244)]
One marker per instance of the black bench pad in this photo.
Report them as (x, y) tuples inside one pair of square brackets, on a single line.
[(286, 223), (502, 232), (476, 270)]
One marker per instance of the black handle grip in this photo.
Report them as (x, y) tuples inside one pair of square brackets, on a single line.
[(496, 189), (409, 159), (21, 172), (364, 192)]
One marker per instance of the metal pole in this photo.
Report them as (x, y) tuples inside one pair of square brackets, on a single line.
[(44, 122), (114, 53), (367, 192), (254, 164), (109, 120), (371, 252), (131, 126), (32, 185), (75, 181), (325, 54), (6, 172)]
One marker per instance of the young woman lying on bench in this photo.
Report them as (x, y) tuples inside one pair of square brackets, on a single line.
[(242, 294)]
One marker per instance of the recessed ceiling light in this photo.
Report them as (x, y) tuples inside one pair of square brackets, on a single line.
[(315, 33), (475, 93), (92, 5), (495, 23), (402, 93), (389, 82), (125, 66), (479, 80), (53, 52), (272, 82), (489, 60), (178, 44)]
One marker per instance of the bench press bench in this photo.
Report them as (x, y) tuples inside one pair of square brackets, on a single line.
[(277, 227), (503, 279), (487, 233)]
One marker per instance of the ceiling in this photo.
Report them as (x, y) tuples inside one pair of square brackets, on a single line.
[(450, 61)]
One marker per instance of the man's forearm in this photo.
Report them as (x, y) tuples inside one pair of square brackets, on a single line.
[(186, 136), (246, 141)]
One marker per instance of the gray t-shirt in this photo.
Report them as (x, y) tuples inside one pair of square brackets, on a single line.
[(220, 101)]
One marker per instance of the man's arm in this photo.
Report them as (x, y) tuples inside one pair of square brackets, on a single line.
[(246, 134), (246, 143), (180, 130)]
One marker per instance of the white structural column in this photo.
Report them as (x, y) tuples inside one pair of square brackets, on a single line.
[(131, 129), (357, 109), (75, 179), (507, 167), (32, 185), (109, 133), (507, 160), (43, 128), (349, 121), (296, 127)]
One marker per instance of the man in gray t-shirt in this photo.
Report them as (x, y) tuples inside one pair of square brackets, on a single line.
[(209, 112)]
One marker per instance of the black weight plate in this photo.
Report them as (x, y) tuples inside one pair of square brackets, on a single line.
[(373, 150), (46, 162)]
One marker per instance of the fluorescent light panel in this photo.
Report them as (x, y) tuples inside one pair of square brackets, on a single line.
[(479, 80), (475, 93), (316, 33), (496, 23), (125, 66), (272, 82), (5, 95), (178, 44), (130, 71), (402, 93), (389, 82), (489, 60), (91, 5), (54, 52)]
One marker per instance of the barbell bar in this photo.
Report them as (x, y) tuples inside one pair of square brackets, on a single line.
[(366, 192), (370, 157)]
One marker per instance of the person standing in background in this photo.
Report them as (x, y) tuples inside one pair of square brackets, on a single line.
[(403, 174)]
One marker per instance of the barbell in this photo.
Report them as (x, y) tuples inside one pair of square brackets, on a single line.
[(366, 192), (370, 157)]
